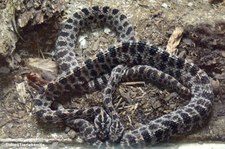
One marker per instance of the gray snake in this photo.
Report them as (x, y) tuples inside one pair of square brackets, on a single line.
[(140, 61)]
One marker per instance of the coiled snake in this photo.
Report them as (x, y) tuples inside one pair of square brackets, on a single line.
[(129, 60)]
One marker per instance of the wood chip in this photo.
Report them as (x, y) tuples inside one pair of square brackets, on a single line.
[(139, 83)]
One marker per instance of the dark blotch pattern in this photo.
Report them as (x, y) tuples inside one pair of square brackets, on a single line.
[(171, 124), (104, 79), (70, 20), (49, 118), (153, 126), (107, 100), (105, 9), (94, 73), (96, 8), (170, 72), (112, 51), (101, 17), (105, 67), (116, 22), (72, 36), (71, 45), (68, 26), (152, 50), (61, 43), (97, 85), (51, 87), (100, 57), (158, 134), (38, 102), (139, 59), (77, 16), (186, 118), (162, 76), (68, 87), (162, 66), (120, 28), (115, 61), (64, 67), (125, 46), (125, 24), (75, 29), (108, 91), (122, 17), (171, 62), (141, 46), (77, 71), (61, 114), (62, 53), (129, 30), (180, 63), (90, 18), (89, 64), (141, 70), (194, 69), (132, 49), (40, 113), (115, 11), (164, 56), (81, 23), (205, 80), (146, 136), (63, 81), (64, 34), (75, 23), (85, 11), (200, 110), (177, 74)]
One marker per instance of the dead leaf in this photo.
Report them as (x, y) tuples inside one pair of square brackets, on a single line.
[(174, 40), (42, 64), (21, 90)]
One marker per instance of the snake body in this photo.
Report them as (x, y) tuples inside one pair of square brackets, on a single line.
[(67, 62), (139, 60), (180, 121)]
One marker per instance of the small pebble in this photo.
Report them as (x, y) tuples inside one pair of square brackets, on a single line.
[(4, 70), (83, 42), (67, 129), (190, 4), (72, 134), (164, 5), (107, 30)]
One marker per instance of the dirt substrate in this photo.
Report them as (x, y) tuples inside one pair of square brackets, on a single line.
[(202, 42)]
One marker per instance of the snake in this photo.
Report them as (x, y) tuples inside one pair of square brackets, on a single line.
[(122, 61)]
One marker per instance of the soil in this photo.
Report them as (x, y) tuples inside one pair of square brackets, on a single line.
[(202, 42)]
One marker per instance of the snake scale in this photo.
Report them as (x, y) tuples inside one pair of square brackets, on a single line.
[(128, 60)]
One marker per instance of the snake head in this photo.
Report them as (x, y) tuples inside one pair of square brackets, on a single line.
[(102, 124), (116, 131)]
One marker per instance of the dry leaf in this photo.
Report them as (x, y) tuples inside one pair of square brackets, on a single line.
[(42, 64), (174, 40), (21, 90)]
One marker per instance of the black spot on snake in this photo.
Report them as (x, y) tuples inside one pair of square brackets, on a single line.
[(77, 16), (115, 11), (85, 11)]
